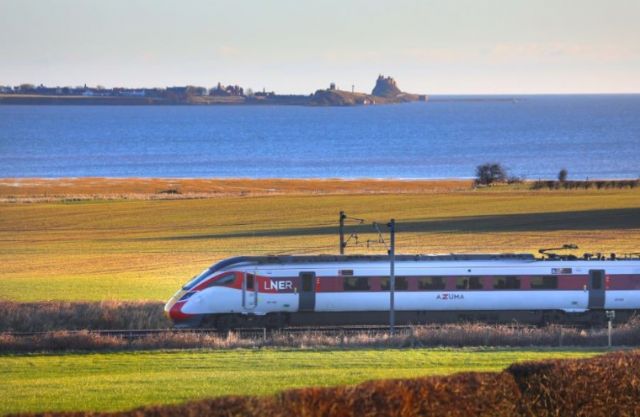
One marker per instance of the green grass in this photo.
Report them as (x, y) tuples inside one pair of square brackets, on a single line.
[(146, 249), (118, 381)]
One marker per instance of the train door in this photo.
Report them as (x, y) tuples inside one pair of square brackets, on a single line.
[(249, 291), (596, 289), (307, 293)]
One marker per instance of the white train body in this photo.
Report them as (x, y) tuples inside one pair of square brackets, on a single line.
[(350, 290)]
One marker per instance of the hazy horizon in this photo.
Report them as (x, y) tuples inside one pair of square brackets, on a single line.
[(441, 48)]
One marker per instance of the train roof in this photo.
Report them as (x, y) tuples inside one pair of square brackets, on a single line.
[(305, 259), (230, 263)]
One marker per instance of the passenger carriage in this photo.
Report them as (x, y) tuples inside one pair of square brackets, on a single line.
[(276, 291)]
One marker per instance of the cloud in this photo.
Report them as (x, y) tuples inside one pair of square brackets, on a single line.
[(438, 55), (554, 51)]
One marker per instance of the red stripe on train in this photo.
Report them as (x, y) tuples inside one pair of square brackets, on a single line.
[(176, 314)]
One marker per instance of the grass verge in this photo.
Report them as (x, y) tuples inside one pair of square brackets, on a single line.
[(118, 381)]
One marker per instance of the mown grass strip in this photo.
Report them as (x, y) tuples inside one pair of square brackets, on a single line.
[(118, 381)]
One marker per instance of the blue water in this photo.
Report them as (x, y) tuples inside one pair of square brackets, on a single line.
[(533, 136)]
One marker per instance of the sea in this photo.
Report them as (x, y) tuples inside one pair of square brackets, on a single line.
[(533, 137)]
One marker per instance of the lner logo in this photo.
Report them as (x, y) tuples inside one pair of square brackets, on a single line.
[(278, 285)]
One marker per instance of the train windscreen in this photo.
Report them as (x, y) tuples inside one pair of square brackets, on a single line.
[(197, 279)]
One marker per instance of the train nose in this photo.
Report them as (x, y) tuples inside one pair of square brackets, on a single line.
[(170, 307), (174, 310)]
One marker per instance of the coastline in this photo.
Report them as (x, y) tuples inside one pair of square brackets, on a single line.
[(322, 98), (140, 188), (180, 188)]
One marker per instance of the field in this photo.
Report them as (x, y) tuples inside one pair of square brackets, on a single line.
[(118, 381), (101, 239), (112, 240)]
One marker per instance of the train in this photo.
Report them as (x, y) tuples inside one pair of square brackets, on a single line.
[(334, 290)]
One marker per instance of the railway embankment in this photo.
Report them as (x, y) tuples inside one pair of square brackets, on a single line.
[(109, 326), (452, 335)]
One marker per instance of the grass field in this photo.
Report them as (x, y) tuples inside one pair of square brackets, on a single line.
[(117, 381), (143, 249)]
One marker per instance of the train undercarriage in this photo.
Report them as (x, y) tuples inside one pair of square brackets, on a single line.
[(590, 318)]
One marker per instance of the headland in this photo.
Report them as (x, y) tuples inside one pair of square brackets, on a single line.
[(385, 91)]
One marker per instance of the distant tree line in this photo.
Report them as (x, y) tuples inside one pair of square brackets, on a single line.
[(585, 184), (493, 173)]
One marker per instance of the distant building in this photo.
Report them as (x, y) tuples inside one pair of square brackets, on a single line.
[(230, 90), (332, 86), (177, 90), (193, 90), (133, 93)]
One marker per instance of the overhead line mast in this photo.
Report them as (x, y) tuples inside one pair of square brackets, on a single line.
[(391, 251)]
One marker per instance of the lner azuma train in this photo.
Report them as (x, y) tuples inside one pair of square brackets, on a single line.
[(277, 291)]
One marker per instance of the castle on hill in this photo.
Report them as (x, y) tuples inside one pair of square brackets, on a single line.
[(385, 87)]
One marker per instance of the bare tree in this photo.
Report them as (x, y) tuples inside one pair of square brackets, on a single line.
[(490, 173)]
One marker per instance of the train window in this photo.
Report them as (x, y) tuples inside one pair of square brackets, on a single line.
[(402, 284), (546, 282), (474, 283), (462, 283), (468, 283), (356, 284), (506, 283), (221, 282), (431, 283), (249, 282)]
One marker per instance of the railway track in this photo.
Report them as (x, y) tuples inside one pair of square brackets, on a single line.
[(258, 332)]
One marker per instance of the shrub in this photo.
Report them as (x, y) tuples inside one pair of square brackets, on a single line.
[(514, 179), (490, 173), (585, 184), (562, 175), (607, 385), (465, 394)]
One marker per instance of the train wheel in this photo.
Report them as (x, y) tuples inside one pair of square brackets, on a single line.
[(552, 317), (228, 322), (276, 321), (208, 322), (598, 318)]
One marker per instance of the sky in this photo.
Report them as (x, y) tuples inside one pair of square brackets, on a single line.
[(432, 47)]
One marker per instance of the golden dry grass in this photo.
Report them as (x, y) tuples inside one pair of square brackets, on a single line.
[(452, 335), (39, 189), (143, 249)]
